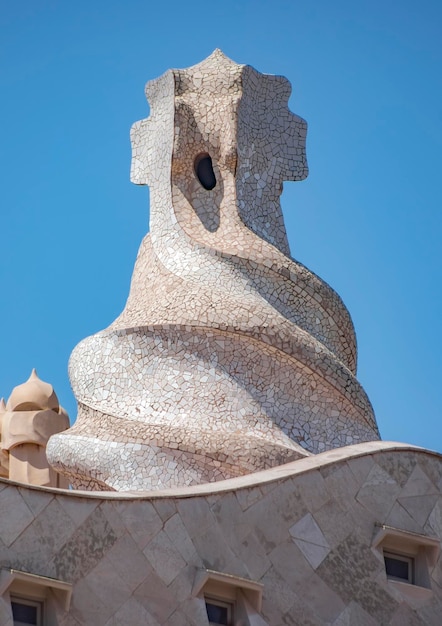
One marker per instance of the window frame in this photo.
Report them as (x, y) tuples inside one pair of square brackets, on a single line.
[(39, 605), (405, 558), (230, 606), (242, 594), (423, 549), (33, 588)]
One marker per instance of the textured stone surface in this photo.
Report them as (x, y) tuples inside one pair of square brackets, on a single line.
[(31, 415), (134, 558), (229, 357)]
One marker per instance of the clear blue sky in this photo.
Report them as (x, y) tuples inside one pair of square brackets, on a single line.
[(366, 76)]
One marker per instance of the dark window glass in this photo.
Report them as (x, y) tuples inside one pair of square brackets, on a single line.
[(204, 171), (396, 568), (217, 614), (24, 613)]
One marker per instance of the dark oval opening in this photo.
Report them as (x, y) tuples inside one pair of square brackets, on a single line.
[(204, 171)]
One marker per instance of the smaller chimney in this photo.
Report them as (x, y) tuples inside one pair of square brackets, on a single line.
[(31, 415)]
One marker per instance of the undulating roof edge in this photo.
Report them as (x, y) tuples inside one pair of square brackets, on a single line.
[(255, 479)]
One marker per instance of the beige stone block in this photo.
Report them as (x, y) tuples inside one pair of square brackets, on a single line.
[(432, 467), (213, 498), (28, 554), (363, 521), (273, 615), (164, 557), (272, 517), (105, 582), (335, 522), (358, 582), (165, 508), (141, 521), (406, 616), (177, 533), (254, 557), (128, 561), (418, 484), (180, 619), (360, 467), (15, 515), (398, 466), (431, 612), (287, 501), (68, 620), (111, 512), (283, 557), (183, 584), (132, 613), (36, 500), (87, 545), (77, 508), (354, 615), (156, 598), (257, 620), (419, 507), (268, 533), (321, 600), (231, 522), (341, 484), (278, 596), (300, 613), (379, 492), (196, 515), (56, 524), (195, 611), (216, 552), (398, 517), (87, 608), (247, 497), (310, 540), (312, 489), (436, 578), (434, 522), (306, 529)]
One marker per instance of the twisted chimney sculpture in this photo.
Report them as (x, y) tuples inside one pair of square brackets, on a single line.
[(229, 357)]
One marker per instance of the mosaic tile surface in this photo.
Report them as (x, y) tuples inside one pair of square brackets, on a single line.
[(229, 356)]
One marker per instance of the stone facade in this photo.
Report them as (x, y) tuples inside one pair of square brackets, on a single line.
[(306, 531)]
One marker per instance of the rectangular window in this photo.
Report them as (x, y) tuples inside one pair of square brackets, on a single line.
[(26, 612), (219, 613), (399, 567)]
